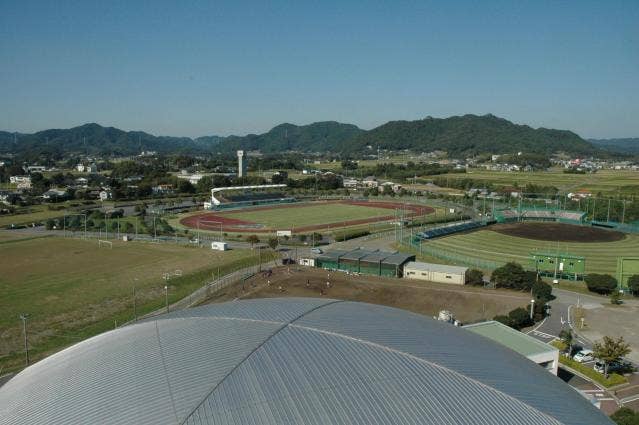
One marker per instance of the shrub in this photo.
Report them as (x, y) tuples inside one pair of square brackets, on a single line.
[(633, 284), (601, 283), (474, 277)]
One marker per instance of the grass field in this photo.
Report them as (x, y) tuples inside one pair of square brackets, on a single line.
[(284, 218), (601, 257), (608, 182), (72, 289)]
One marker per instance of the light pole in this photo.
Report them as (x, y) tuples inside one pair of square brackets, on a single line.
[(24, 317), (532, 308), (135, 308), (166, 297)]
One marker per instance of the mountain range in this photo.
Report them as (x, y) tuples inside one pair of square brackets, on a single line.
[(458, 135), (627, 145)]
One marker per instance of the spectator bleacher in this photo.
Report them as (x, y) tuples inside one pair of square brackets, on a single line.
[(450, 229)]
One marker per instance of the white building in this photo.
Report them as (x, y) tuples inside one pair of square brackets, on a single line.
[(435, 272), (543, 354), (192, 178), (105, 194)]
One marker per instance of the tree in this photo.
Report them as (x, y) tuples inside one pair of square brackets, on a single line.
[(474, 277), (252, 239), (520, 318), (567, 338), (633, 284), (542, 292), (273, 242), (503, 319), (609, 350), (50, 224), (512, 275), (185, 186), (625, 416), (601, 283)]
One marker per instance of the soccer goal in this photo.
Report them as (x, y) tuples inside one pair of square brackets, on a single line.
[(107, 244)]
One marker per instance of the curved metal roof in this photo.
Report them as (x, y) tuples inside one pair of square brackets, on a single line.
[(290, 361)]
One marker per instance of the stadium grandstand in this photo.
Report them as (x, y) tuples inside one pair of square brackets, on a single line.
[(540, 214), (291, 361), (247, 196), (449, 229)]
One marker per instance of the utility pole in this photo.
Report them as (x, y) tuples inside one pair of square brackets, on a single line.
[(24, 317)]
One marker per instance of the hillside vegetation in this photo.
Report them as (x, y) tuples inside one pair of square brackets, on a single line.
[(459, 135)]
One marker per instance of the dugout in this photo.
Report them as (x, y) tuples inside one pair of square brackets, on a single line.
[(559, 265)]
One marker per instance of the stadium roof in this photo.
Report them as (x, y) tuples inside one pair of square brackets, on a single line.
[(290, 361)]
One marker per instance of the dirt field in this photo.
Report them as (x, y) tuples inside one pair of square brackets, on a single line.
[(558, 232), (469, 304), (302, 217)]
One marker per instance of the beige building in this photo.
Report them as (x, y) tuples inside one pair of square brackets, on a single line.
[(435, 272)]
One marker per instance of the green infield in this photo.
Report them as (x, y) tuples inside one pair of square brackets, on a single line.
[(491, 246), (72, 289), (305, 215)]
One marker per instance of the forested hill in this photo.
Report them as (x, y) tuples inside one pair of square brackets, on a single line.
[(471, 134), (459, 135), (317, 137), (625, 145)]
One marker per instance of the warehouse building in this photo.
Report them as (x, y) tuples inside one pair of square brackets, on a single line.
[(290, 361), (435, 272), (377, 263), (543, 354)]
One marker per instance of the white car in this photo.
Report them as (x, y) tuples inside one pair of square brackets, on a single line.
[(316, 251), (583, 356)]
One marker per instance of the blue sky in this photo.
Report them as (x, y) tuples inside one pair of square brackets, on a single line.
[(214, 67)]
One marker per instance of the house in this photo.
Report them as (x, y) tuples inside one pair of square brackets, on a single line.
[(390, 186), (82, 182), (80, 168), (35, 168), (19, 179), (192, 178), (91, 168), (370, 181), (55, 194), (105, 194), (350, 183), (162, 189)]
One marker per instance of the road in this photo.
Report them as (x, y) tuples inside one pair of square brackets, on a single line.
[(560, 315)]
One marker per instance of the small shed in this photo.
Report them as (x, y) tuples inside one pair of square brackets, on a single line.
[(435, 272)]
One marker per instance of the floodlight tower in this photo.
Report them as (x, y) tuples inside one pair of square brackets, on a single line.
[(241, 164)]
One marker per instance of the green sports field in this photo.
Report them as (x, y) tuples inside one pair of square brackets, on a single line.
[(72, 289), (304, 215), (601, 257)]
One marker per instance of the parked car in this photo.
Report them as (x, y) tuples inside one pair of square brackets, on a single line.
[(316, 251), (583, 356), (616, 366)]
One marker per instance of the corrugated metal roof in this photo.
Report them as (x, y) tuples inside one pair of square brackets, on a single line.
[(375, 257), (511, 338), (331, 255), (398, 259), (356, 254), (290, 361), (431, 267)]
